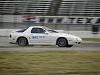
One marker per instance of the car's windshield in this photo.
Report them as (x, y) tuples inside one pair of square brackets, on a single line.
[(50, 30)]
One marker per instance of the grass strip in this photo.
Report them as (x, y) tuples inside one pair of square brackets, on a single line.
[(50, 63), (91, 39)]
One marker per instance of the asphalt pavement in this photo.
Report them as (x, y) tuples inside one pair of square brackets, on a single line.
[(88, 46)]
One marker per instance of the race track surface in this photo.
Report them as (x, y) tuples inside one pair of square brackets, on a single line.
[(5, 46)]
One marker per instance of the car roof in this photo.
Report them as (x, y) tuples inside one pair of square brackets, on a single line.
[(37, 26)]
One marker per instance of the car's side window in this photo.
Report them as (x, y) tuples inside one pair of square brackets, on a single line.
[(37, 30)]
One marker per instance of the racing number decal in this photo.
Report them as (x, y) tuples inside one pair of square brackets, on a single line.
[(38, 37)]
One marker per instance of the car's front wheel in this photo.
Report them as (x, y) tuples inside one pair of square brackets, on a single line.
[(62, 42), (22, 41)]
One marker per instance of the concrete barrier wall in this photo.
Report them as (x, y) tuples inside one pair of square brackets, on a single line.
[(6, 32), (82, 34)]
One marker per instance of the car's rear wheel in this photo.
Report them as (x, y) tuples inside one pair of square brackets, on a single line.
[(62, 42), (22, 41)]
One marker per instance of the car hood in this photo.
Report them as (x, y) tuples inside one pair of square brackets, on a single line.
[(67, 35)]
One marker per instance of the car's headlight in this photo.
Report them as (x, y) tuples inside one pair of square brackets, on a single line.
[(79, 39)]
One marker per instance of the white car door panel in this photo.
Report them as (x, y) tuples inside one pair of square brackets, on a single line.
[(37, 38)]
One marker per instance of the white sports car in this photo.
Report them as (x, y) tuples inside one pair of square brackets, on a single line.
[(40, 35)]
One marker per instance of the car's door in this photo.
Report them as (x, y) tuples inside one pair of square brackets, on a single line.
[(39, 36)]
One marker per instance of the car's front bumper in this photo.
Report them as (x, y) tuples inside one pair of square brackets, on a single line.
[(75, 42)]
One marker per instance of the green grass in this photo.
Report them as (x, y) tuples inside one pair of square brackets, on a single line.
[(50, 63), (92, 39)]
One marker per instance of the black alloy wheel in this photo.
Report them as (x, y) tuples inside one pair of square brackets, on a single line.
[(22, 41), (62, 42)]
